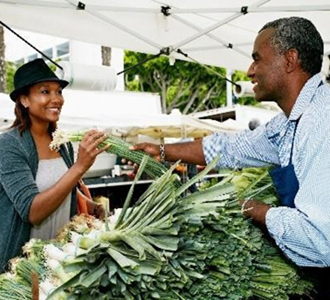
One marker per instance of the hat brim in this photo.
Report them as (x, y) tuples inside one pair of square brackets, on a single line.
[(16, 93)]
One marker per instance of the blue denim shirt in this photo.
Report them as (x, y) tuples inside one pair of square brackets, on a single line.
[(303, 232), (18, 169)]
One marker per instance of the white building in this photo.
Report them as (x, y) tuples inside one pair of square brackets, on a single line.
[(58, 48)]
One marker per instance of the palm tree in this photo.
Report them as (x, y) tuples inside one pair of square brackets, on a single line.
[(2, 61), (106, 56)]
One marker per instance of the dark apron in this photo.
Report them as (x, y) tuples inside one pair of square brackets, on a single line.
[(285, 180), (287, 185)]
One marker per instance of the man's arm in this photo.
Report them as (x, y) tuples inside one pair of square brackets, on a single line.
[(188, 152)]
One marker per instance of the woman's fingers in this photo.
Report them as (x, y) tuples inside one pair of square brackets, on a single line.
[(105, 148), (92, 141)]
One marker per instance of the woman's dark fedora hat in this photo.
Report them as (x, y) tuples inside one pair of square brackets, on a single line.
[(33, 72)]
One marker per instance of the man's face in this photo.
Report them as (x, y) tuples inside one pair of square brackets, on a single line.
[(267, 71)]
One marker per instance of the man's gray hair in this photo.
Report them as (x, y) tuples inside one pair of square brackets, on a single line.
[(300, 34)]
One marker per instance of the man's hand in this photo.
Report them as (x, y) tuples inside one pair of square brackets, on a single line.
[(255, 210), (149, 148)]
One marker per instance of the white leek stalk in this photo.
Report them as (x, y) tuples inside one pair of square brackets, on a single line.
[(75, 237), (73, 250), (42, 295), (57, 270), (46, 287), (51, 251)]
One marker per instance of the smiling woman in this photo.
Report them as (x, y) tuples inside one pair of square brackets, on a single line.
[(36, 100), (36, 183)]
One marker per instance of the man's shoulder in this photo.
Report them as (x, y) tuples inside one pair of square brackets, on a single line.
[(323, 92), (275, 125)]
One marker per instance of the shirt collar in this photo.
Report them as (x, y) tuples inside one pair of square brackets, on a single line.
[(305, 97)]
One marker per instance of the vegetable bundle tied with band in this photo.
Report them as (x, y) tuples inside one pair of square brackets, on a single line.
[(168, 245)]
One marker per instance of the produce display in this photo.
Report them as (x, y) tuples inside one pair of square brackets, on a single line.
[(118, 147), (170, 244)]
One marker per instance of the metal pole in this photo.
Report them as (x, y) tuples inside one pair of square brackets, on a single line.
[(229, 88)]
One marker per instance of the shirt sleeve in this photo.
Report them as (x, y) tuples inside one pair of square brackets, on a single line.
[(16, 177), (303, 232), (249, 148), (299, 239)]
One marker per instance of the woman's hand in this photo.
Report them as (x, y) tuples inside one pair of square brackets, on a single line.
[(90, 147)]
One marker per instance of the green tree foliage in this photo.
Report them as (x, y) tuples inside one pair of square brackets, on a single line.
[(188, 86), (10, 71), (2, 60), (7, 69)]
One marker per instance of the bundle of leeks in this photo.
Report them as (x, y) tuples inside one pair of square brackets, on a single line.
[(172, 246)]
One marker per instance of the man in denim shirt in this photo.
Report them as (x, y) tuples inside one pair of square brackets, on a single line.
[(287, 60)]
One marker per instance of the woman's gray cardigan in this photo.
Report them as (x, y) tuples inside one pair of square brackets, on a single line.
[(18, 169)]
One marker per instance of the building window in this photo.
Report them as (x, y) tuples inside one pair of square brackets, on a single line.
[(63, 49)]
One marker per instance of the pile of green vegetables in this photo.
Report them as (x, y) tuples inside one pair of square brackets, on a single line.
[(168, 245)]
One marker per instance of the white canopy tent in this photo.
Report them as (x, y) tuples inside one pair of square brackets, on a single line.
[(219, 33), (125, 114)]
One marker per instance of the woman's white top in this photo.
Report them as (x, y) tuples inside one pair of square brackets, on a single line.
[(49, 172)]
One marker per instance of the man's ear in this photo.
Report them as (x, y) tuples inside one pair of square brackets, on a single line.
[(292, 60)]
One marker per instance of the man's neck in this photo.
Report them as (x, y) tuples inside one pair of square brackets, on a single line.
[(287, 106), (294, 87)]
